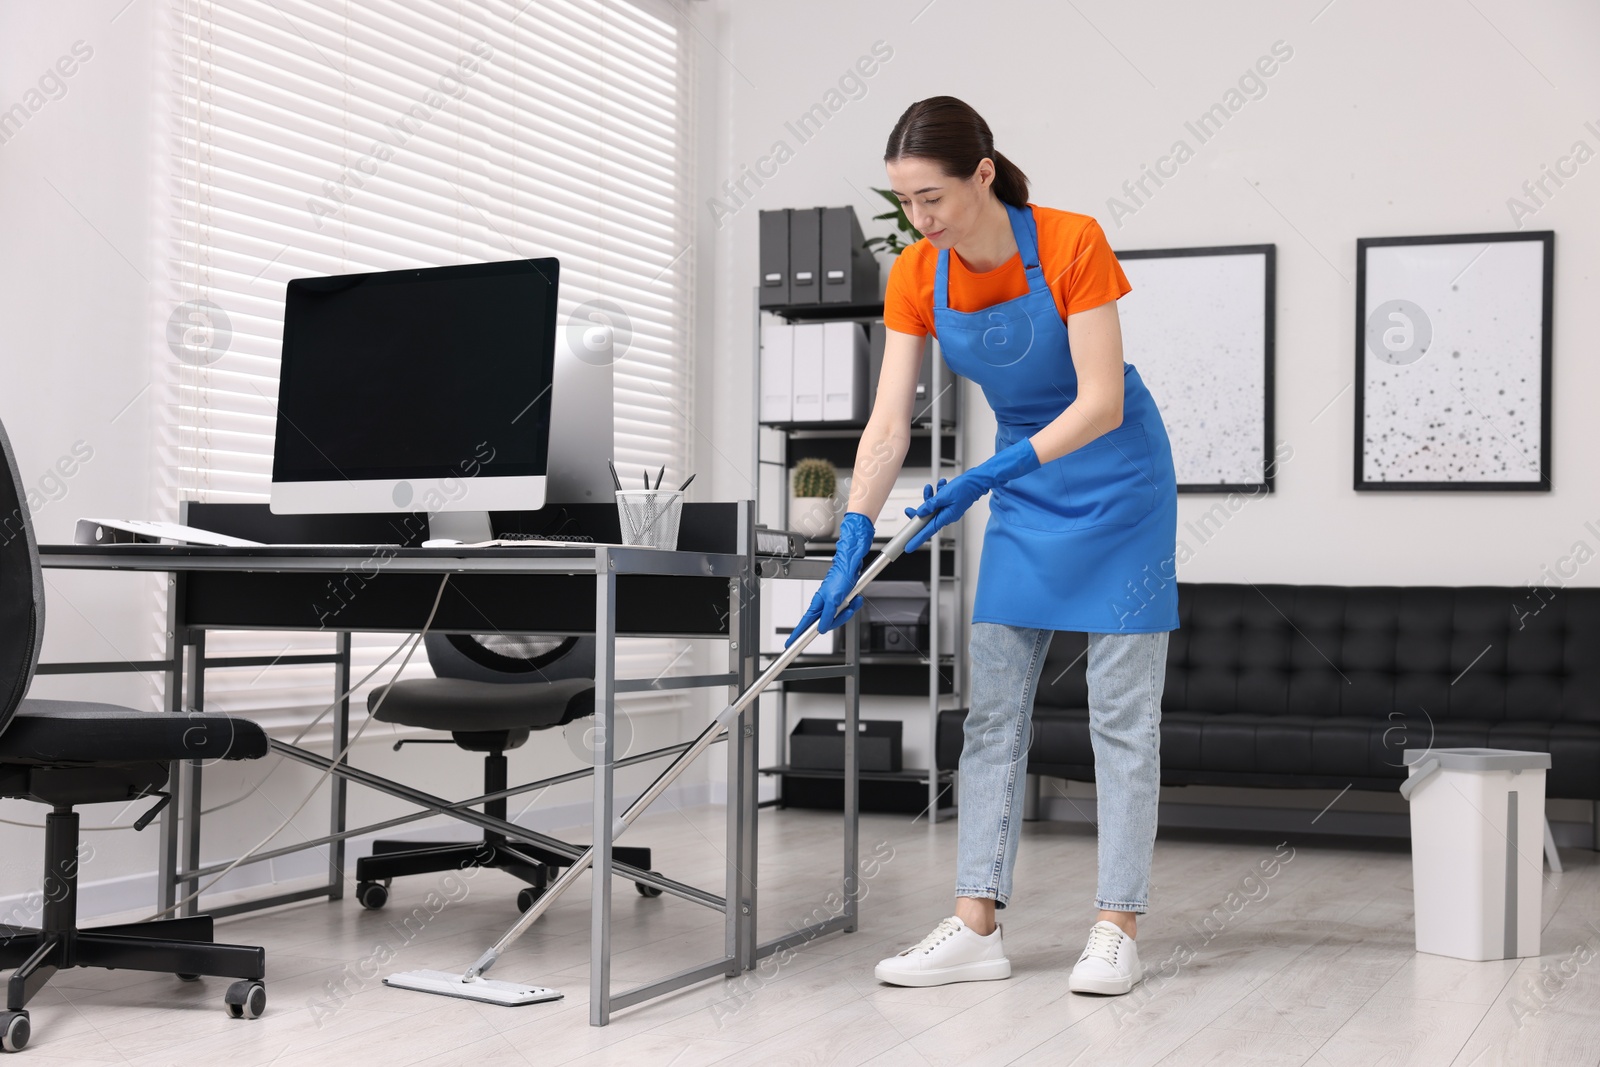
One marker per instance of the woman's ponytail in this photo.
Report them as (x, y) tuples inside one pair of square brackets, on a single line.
[(949, 132), (1010, 184)]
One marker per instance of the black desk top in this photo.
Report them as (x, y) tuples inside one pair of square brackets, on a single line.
[(522, 589), (704, 527)]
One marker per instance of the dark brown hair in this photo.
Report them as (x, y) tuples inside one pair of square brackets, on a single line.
[(950, 133)]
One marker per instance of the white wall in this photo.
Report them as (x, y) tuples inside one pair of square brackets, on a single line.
[(1415, 118), (76, 208)]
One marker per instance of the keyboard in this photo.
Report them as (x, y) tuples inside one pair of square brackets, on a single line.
[(525, 540), (571, 538)]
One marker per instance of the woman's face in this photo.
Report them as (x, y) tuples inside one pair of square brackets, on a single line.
[(946, 210)]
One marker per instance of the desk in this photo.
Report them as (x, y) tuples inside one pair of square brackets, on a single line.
[(708, 588)]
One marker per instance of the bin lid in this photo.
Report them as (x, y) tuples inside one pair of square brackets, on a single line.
[(1478, 759)]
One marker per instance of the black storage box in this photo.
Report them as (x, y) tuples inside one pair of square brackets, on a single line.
[(818, 744), (885, 796)]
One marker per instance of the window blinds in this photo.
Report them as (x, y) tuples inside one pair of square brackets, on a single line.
[(315, 137)]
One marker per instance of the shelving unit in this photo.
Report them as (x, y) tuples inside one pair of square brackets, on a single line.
[(935, 673)]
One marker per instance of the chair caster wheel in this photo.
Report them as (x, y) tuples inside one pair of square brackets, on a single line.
[(188, 977), (372, 895), (14, 1030), (647, 890), (527, 897), (246, 999)]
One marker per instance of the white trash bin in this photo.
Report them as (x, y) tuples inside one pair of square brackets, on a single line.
[(1477, 850)]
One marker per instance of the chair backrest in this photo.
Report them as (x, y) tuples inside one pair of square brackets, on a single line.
[(21, 589), (513, 659)]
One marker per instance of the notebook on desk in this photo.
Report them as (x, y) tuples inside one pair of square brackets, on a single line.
[(149, 532), (143, 531)]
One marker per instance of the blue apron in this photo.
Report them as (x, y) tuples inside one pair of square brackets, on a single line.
[(1088, 541)]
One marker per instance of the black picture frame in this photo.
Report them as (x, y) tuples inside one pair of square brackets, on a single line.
[(1365, 246), (1268, 355)]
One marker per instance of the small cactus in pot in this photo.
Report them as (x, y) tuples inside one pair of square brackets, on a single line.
[(813, 506)]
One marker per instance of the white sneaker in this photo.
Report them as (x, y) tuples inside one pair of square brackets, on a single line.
[(1109, 964), (954, 952)]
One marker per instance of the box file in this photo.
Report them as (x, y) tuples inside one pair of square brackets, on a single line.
[(777, 372), (780, 611), (849, 269), (807, 372), (805, 255), (783, 601), (844, 372), (774, 258)]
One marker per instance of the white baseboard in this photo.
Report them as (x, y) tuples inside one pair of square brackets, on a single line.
[(1567, 834), (135, 894)]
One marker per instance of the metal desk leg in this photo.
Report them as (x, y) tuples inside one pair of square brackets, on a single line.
[(743, 795), (167, 864), (338, 800), (190, 852), (852, 771), (605, 695)]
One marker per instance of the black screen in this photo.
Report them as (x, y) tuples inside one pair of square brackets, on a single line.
[(417, 373)]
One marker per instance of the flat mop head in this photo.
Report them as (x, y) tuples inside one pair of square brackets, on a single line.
[(485, 990)]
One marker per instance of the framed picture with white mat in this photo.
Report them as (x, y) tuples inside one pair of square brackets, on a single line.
[(1198, 325), (1452, 369)]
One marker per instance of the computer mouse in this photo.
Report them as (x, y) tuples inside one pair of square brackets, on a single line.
[(443, 542)]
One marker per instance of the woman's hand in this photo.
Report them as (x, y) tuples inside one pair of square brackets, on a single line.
[(827, 608), (955, 497)]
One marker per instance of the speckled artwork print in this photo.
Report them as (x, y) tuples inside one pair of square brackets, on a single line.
[(1195, 327), (1464, 406)]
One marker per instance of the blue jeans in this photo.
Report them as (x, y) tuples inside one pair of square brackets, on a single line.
[(1126, 674)]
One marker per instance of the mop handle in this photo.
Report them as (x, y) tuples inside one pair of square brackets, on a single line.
[(703, 741)]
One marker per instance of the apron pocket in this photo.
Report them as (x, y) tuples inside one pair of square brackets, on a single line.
[(1037, 500), (1111, 480)]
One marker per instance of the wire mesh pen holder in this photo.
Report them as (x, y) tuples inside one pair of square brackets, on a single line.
[(650, 517)]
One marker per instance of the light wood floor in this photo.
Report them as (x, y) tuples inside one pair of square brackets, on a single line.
[(1313, 966)]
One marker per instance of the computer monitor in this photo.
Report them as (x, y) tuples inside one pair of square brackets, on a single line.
[(439, 390)]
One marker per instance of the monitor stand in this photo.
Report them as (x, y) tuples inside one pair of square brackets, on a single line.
[(469, 527)]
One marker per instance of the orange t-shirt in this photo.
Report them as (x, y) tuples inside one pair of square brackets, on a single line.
[(1079, 267)]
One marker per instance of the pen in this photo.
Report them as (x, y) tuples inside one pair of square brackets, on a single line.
[(614, 479), (685, 484), (660, 474), (647, 479)]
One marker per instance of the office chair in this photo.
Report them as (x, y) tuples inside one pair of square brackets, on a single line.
[(490, 692), (67, 752)]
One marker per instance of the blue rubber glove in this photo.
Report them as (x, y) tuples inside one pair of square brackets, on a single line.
[(855, 537), (956, 496)]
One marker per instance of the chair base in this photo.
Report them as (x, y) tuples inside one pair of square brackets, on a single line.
[(181, 946), (532, 864), (177, 946)]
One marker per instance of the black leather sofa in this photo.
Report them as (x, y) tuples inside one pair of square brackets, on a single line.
[(1322, 687)]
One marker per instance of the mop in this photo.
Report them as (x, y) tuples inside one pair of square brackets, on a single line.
[(472, 985)]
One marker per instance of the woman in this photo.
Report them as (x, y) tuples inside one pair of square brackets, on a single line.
[(1082, 521)]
